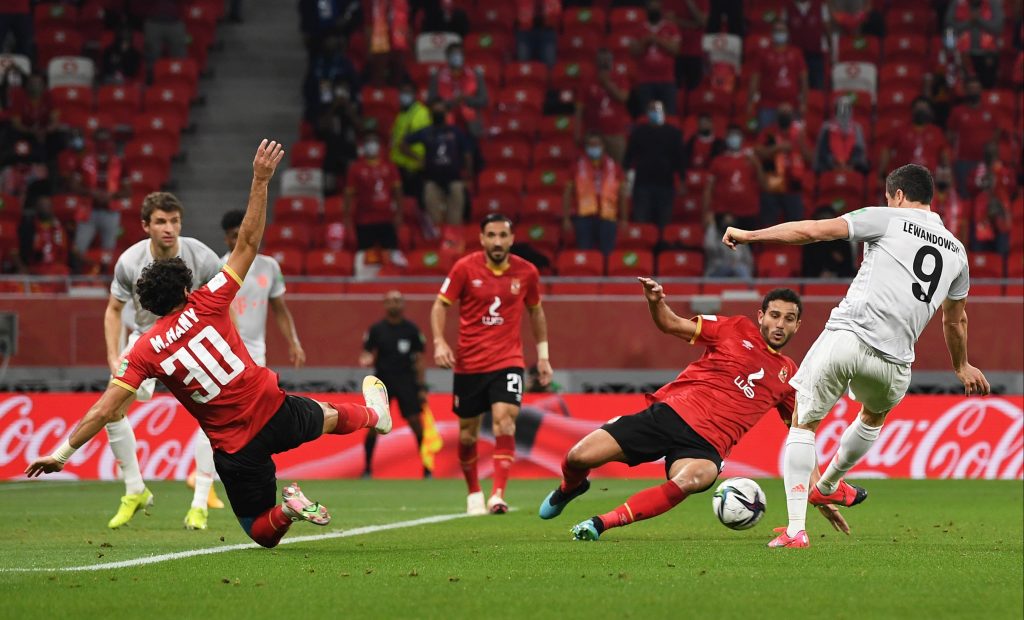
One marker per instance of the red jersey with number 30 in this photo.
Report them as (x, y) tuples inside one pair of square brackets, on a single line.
[(737, 380), (490, 311), (198, 354)]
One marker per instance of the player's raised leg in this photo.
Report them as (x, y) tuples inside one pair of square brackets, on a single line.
[(594, 450), (856, 441), (687, 476), (345, 418), (136, 496), (504, 427)]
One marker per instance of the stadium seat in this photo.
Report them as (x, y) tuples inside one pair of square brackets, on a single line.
[(580, 46), (583, 19), (148, 124), (71, 207), (522, 99), (986, 265), (289, 258), (761, 18), (71, 100), (627, 263), (492, 46), (89, 123), (431, 46), (541, 236), (899, 22), (841, 189), (172, 71), (900, 75), (427, 263), (70, 71), (895, 102), (296, 210), (333, 208), (490, 71), (863, 103), (554, 153), (10, 208), (54, 15), (681, 264), (122, 102), (308, 154), (708, 101), (493, 17), (855, 76), (858, 49), (503, 201), (521, 125), (298, 236), (580, 263), (171, 101), (543, 208), (779, 262), (545, 180), (632, 236), (573, 74), (683, 236), (57, 42), (302, 182), (556, 127), (1003, 104), (328, 263), (148, 176), (625, 19), (905, 48), (154, 148), (500, 179), (529, 74), (506, 152)]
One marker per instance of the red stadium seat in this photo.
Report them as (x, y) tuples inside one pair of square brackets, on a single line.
[(583, 18), (333, 208), (899, 22), (489, 45), (859, 49), (72, 100), (554, 153), (289, 258), (122, 102), (632, 236), (427, 263), (578, 46), (296, 236), (328, 263), (986, 265), (148, 176), (540, 236), (681, 264), (500, 179), (493, 17), (779, 262), (863, 106), (905, 48), (573, 74), (556, 127), (544, 208), (308, 154), (624, 263), (177, 71), (900, 75), (683, 235), (522, 125), (760, 19), (624, 19), (1003, 104), (506, 152), (708, 101), (71, 207), (523, 99), (580, 263), (296, 210), (52, 42), (895, 102), (54, 15), (150, 123), (380, 95), (503, 201), (10, 208), (844, 190), (544, 180), (529, 74)]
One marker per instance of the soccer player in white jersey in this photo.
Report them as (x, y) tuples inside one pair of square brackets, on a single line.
[(161, 219), (263, 287), (912, 265)]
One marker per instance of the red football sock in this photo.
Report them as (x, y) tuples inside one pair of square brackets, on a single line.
[(467, 458), (571, 478), (644, 505), (352, 417), (504, 455), (268, 528)]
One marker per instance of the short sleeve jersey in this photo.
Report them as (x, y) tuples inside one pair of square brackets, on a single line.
[(198, 354), (372, 184), (780, 75), (730, 388), (490, 310), (736, 188), (912, 263), (199, 258), (396, 345), (263, 283)]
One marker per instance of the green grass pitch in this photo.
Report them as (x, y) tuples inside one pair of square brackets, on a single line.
[(919, 549)]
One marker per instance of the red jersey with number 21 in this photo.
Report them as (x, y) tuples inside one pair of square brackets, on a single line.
[(490, 311), (198, 354), (737, 380)]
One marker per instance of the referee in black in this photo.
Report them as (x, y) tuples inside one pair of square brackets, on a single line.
[(394, 347)]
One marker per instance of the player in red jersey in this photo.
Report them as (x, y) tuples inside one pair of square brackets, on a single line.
[(195, 350), (491, 287), (695, 420)]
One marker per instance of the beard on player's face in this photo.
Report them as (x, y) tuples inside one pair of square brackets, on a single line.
[(774, 333)]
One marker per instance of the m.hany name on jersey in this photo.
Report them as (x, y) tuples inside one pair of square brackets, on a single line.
[(932, 238), (186, 321)]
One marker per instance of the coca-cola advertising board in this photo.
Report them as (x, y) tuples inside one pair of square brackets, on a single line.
[(926, 437)]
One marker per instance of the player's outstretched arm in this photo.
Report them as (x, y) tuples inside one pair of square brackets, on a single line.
[(443, 355), (954, 329), (95, 419), (790, 233), (250, 232), (666, 320)]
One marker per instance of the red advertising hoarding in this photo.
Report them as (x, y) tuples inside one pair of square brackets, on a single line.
[(926, 437)]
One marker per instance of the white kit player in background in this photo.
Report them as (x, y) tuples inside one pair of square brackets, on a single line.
[(263, 287), (161, 219), (912, 265)]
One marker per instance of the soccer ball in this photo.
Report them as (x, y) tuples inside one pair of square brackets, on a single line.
[(739, 503)]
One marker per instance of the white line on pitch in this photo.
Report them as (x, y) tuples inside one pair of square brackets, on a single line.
[(179, 555)]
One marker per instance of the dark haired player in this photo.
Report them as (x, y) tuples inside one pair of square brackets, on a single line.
[(912, 265), (195, 350), (491, 288), (694, 421)]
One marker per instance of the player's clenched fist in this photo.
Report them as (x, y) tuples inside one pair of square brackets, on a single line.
[(735, 236), (268, 155), (652, 290)]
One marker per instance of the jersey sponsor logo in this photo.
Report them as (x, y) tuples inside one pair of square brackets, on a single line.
[(186, 321), (516, 284), (747, 387), (493, 317), (218, 281)]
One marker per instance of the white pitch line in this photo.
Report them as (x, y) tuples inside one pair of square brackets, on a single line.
[(179, 555)]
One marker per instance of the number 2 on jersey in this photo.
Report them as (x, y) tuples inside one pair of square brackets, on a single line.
[(202, 369), (930, 277)]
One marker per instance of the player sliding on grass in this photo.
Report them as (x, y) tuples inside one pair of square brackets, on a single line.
[(195, 350), (694, 421), (912, 265)]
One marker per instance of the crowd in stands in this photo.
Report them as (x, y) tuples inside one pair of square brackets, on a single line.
[(94, 96), (624, 136)]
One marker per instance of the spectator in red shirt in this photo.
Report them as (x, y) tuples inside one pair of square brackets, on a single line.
[(691, 20), (735, 183), (946, 204), (992, 219), (100, 176), (655, 47), (841, 143), (785, 156), (978, 28), (42, 240), (780, 76), (971, 126), (601, 106), (809, 23), (703, 146), (16, 19), (34, 117), (373, 190), (921, 143), (463, 91)]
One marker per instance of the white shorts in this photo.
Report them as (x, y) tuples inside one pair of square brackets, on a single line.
[(838, 361), (146, 388)]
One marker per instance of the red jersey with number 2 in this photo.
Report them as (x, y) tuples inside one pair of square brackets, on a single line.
[(490, 311), (198, 354), (737, 380)]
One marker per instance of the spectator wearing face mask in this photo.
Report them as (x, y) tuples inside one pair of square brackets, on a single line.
[(100, 176), (654, 157), (412, 117), (840, 143), (971, 126), (601, 106), (372, 193), (655, 45), (703, 145), (808, 22), (921, 143), (595, 198), (779, 76), (42, 240), (946, 204), (536, 21), (329, 68), (463, 92), (977, 26), (447, 160), (735, 183), (785, 158)]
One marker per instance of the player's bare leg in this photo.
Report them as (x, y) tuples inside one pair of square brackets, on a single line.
[(504, 428), (594, 450), (687, 476), (469, 431), (136, 496)]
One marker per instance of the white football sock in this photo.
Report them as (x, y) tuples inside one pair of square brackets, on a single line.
[(122, 444), (796, 475), (857, 439), (204, 470)]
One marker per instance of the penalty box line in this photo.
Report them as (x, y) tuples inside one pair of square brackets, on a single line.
[(180, 555)]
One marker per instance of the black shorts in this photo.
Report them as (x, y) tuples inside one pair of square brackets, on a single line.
[(658, 432), (405, 391), (376, 235), (249, 475), (473, 394)]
